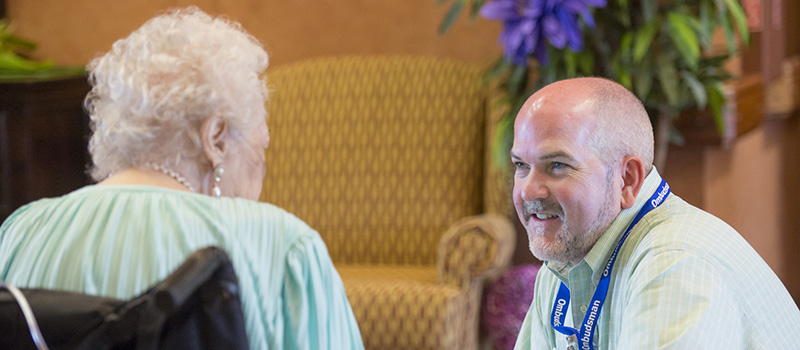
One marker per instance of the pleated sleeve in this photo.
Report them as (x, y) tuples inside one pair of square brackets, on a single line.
[(317, 314)]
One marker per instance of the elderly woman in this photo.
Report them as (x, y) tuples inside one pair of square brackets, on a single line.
[(179, 132)]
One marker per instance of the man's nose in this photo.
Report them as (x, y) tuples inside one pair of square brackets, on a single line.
[(534, 187)]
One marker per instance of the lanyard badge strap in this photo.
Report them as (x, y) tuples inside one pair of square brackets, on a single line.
[(585, 333)]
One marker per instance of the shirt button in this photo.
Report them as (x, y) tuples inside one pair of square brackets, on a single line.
[(583, 308)]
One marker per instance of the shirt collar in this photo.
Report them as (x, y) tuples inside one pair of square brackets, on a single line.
[(598, 256)]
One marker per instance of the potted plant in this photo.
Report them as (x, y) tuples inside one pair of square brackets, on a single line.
[(659, 49), (16, 66), (43, 127)]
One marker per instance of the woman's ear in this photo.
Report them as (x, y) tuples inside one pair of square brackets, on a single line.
[(632, 179), (212, 136)]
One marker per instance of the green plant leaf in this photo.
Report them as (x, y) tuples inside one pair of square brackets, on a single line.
[(649, 9), (644, 38), (15, 75), (623, 17), (715, 74), (551, 72), (703, 36), (675, 136), (668, 79), (739, 17), (451, 16), (707, 19), (625, 79), (503, 140), (570, 63), (655, 48), (502, 101), (716, 100), (6, 28), (13, 42), (644, 77), (625, 45), (10, 61), (586, 62), (617, 67), (721, 7), (475, 9), (714, 61), (498, 67), (682, 35), (517, 80), (725, 23), (696, 87), (504, 137)]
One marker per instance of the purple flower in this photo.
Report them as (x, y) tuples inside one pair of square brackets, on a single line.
[(527, 23)]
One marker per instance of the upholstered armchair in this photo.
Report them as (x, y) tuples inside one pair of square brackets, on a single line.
[(388, 158)]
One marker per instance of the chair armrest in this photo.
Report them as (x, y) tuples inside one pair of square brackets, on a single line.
[(475, 247)]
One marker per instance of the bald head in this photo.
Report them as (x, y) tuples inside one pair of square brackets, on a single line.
[(622, 125), (582, 148)]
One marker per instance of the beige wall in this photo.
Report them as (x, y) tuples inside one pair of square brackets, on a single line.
[(752, 185), (74, 31)]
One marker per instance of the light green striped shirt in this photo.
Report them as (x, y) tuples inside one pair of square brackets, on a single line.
[(683, 280), (117, 241)]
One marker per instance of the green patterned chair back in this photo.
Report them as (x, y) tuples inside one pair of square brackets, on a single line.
[(379, 154)]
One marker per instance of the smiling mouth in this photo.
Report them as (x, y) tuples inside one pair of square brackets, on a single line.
[(542, 212), (544, 216)]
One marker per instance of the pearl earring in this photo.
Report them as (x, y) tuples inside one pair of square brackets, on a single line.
[(218, 171)]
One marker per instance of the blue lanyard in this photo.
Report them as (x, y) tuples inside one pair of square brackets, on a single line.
[(585, 333)]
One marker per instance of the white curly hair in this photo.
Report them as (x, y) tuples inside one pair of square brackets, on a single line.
[(152, 91)]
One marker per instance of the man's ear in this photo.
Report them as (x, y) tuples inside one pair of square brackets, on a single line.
[(212, 136), (632, 179)]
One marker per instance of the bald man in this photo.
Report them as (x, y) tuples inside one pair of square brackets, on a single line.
[(628, 264)]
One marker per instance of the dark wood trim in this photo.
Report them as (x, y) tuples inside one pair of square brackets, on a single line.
[(744, 111), (43, 140)]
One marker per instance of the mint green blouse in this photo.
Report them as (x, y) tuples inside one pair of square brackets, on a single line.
[(117, 241)]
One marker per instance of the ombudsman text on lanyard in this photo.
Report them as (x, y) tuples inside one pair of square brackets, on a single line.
[(585, 333)]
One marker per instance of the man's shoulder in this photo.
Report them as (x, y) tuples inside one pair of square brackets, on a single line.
[(679, 228), (680, 225)]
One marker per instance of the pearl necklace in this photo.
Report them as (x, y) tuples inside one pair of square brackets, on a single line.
[(182, 180)]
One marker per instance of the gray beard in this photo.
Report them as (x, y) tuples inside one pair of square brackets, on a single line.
[(569, 246)]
